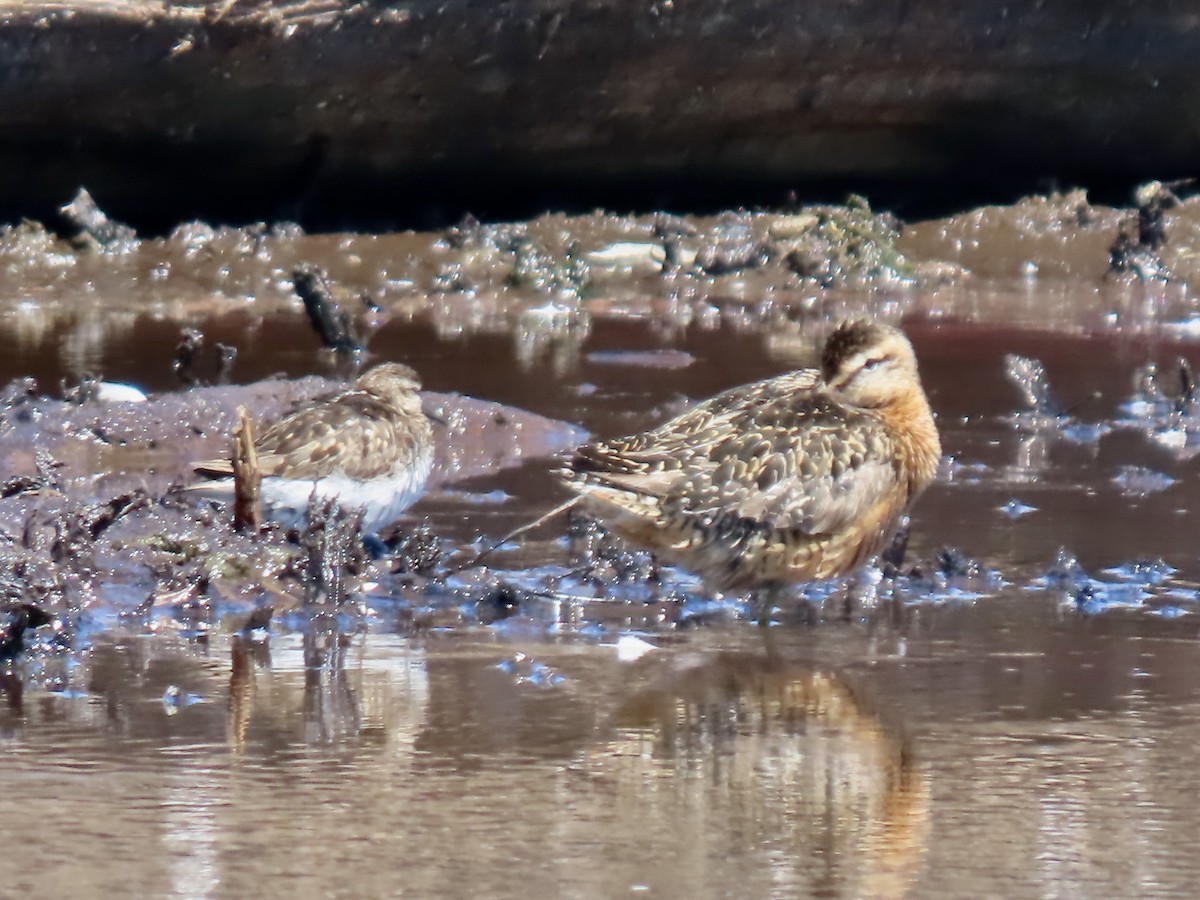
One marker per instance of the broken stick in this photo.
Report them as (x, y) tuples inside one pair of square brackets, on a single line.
[(247, 478)]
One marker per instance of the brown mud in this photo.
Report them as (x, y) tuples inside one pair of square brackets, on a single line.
[(1009, 712)]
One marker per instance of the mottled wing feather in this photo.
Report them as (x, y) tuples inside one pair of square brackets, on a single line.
[(817, 480), (681, 432), (314, 442), (776, 453)]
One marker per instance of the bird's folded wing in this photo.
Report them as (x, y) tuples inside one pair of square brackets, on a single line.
[(355, 435), (809, 466)]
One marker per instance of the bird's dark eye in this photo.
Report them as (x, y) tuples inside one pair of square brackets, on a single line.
[(872, 363)]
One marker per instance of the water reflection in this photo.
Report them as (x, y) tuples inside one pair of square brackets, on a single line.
[(684, 771), (788, 753), (344, 697), (714, 765)]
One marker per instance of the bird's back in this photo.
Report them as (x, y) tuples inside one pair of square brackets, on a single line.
[(356, 435)]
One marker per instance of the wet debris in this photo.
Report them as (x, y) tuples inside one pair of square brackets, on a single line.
[(189, 358), (1065, 572), (950, 575), (471, 234), (1163, 407), (29, 245), (465, 233), (891, 560), (78, 526), (1142, 235), (675, 233), (501, 238), (731, 245), (90, 389), (1140, 481), (45, 478), (86, 390), (1128, 586), (15, 620), (1153, 199), (86, 227), (1157, 393), (1097, 597), (18, 393), (953, 563), (329, 318), (605, 559), (526, 670), (534, 267), (451, 278), (1041, 410), (843, 246), (190, 341), (501, 601), (1015, 509), (176, 699), (1028, 375), (226, 355), (331, 551), (412, 550)]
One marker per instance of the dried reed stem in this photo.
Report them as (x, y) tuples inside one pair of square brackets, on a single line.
[(247, 479)]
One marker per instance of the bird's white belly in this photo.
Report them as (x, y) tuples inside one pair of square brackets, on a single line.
[(382, 500)]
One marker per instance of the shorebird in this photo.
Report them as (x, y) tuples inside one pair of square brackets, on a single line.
[(368, 447), (797, 478)]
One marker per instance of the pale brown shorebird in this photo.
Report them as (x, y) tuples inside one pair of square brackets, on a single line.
[(368, 447), (797, 478)]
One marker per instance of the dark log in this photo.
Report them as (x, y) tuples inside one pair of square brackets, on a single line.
[(311, 109)]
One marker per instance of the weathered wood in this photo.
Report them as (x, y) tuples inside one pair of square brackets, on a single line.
[(247, 477)]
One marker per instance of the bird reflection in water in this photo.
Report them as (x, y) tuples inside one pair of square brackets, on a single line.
[(793, 749)]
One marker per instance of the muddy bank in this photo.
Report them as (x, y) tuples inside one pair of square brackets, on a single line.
[(319, 110), (93, 520), (544, 280)]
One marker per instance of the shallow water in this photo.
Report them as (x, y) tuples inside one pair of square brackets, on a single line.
[(1024, 729)]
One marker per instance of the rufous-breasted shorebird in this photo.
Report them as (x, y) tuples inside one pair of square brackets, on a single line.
[(369, 447), (797, 478)]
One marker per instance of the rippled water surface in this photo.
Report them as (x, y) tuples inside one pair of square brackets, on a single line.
[(1015, 719)]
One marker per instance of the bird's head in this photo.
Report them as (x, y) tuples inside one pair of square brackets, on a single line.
[(869, 364), (394, 383)]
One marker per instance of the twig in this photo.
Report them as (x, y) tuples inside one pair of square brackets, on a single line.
[(247, 478), (516, 532)]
